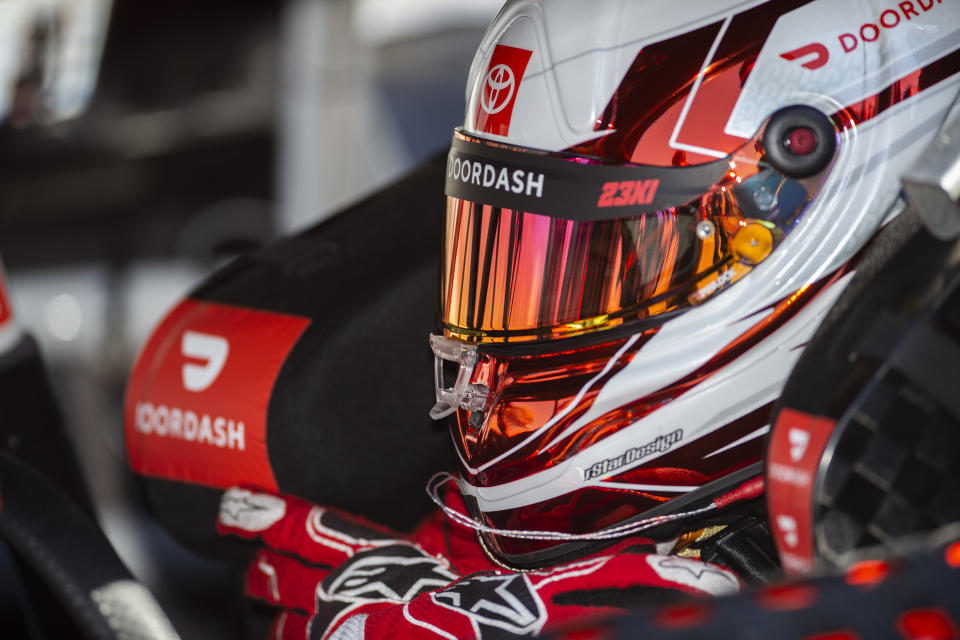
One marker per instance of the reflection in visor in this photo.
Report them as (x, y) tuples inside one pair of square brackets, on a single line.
[(515, 272), (513, 275)]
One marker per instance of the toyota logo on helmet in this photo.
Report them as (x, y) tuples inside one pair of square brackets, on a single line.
[(496, 97), (498, 89), (614, 339)]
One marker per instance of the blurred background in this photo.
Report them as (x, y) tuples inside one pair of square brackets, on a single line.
[(143, 144)]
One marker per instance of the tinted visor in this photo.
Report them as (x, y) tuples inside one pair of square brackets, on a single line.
[(541, 245)]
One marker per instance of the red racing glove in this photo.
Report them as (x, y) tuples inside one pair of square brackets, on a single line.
[(334, 575)]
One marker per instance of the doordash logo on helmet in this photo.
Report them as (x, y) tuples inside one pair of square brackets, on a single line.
[(868, 32)]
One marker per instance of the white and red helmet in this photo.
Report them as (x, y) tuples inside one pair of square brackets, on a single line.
[(650, 207)]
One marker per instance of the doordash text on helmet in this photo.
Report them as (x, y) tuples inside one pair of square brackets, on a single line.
[(486, 175)]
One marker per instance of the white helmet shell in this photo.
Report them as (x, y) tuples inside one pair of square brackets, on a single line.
[(550, 76)]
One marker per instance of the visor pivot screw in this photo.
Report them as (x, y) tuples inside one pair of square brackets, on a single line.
[(705, 229), (802, 141)]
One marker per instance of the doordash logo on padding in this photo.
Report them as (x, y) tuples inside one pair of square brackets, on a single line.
[(212, 350), (191, 425), (198, 398)]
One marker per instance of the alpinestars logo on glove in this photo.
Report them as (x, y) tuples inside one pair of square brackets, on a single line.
[(504, 601), (394, 573)]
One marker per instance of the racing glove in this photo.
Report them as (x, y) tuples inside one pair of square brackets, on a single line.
[(335, 575)]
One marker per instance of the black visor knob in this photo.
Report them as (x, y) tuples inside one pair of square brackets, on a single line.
[(799, 141)]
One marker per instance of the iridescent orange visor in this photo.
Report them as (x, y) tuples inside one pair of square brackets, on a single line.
[(541, 245)]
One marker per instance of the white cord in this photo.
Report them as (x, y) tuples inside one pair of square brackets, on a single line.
[(629, 528)]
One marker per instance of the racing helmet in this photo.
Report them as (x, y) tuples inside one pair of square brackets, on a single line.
[(648, 211)]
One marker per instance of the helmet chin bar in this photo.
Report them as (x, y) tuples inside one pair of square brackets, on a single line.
[(462, 395)]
